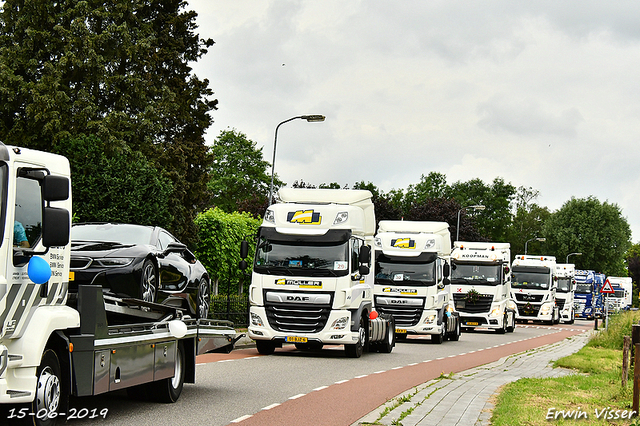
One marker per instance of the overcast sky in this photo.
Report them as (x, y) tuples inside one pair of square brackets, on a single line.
[(543, 94)]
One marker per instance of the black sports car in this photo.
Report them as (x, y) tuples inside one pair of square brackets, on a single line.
[(142, 262)]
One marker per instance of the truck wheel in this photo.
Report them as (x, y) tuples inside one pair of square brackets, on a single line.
[(456, 333), (265, 347), (386, 346), (355, 350), (169, 390), (203, 299), (503, 329), (513, 323), (439, 338), (148, 282), (49, 397)]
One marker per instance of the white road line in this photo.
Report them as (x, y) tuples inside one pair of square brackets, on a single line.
[(269, 407), (320, 388), (298, 396), (360, 377), (341, 382), (239, 419)]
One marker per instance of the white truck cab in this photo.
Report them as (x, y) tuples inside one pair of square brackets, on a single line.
[(565, 292), (412, 278), (481, 285), (533, 287)]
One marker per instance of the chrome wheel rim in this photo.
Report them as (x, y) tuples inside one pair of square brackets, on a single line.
[(48, 392), (148, 283)]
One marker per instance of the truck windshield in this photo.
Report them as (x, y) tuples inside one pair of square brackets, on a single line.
[(402, 270), (564, 285), (303, 255), (530, 279), (584, 288), (465, 273)]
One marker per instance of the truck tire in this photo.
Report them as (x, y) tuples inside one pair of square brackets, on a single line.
[(439, 338), (513, 323), (355, 350), (49, 397), (169, 390), (265, 347), (503, 329), (457, 332), (386, 346)]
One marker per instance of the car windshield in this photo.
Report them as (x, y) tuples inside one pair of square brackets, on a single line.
[(564, 285), (123, 234), (403, 270), (530, 280), (462, 273), (583, 288)]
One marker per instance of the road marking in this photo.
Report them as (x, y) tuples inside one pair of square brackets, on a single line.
[(341, 382), (320, 388), (360, 377), (298, 396), (239, 419), (378, 372), (269, 407), (397, 368)]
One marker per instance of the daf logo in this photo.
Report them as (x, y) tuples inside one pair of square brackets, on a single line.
[(398, 302), (298, 298), (305, 217)]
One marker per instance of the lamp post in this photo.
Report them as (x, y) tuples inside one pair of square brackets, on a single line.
[(536, 239), (572, 254), (309, 118), (474, 207)]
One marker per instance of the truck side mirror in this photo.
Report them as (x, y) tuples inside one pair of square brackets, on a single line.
[(365, 260), (243, 265), (56, 226), (446, 270), (55, 188), (244, 249)]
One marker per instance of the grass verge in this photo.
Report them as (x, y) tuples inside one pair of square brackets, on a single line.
[(593, 395)]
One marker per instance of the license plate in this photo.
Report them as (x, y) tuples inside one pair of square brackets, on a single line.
[(401, 330), (472, 323), (72, 275), (295, 339)]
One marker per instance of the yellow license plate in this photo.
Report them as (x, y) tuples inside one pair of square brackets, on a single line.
[(472, 323), (401, 330), (72, 275), (295, 339)]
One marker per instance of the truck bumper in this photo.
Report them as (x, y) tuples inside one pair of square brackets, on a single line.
[(337, 330), (427, 325)]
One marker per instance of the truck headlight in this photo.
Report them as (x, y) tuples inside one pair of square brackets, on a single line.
[(256, 320), (340, 323), (496, 312), (511, 305), (430, 319), (545, 309)]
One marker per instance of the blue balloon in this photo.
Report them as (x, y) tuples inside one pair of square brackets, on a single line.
[(38, 270)]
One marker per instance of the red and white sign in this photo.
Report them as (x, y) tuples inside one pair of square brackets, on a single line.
[(606, 287)]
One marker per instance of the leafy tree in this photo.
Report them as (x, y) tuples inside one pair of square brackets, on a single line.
[(446, 210), (633, 267), (220, 235), (384, 205), (528, 221), (118, 185), (117, 70), (434, 185), (595, 229), (239, 173)]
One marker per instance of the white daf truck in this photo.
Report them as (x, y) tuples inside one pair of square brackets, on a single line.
[(534, 289), (51, 348), (412, 278), (481, 285), (311, 283), (621, 299), (565, 300)]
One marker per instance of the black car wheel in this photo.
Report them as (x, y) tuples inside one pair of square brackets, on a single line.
[(148, 282), (203, 299)]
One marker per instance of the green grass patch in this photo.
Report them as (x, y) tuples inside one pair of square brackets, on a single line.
[(577, 399)]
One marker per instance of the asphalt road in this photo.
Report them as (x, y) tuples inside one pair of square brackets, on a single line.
[(323, 387)]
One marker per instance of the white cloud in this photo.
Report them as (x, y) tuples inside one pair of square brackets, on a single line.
[(541, 94)]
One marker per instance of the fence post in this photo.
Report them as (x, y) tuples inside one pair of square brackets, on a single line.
[(635, 339), (636, 379), (625, 360)]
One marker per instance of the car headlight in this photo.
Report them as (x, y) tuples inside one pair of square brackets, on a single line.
[(113, 262)]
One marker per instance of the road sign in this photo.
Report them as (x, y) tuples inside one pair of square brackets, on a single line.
[(606, 287)]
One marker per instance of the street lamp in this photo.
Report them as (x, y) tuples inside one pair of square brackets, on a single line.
[(536, 239), (572, 254), (309, 118), (474, 207)]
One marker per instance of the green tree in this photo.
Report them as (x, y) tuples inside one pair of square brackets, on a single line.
[(446, 210), (117, 70), (597, 230), (632, 258), (528, 221), (434, 185), (239, 173), (218, 249), (385, 207), (115, 186)]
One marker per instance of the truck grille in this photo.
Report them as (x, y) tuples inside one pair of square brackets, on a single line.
[(532, 298), (297, 318), (560, 303), (528, 310), (404, 316), (480, 306)]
